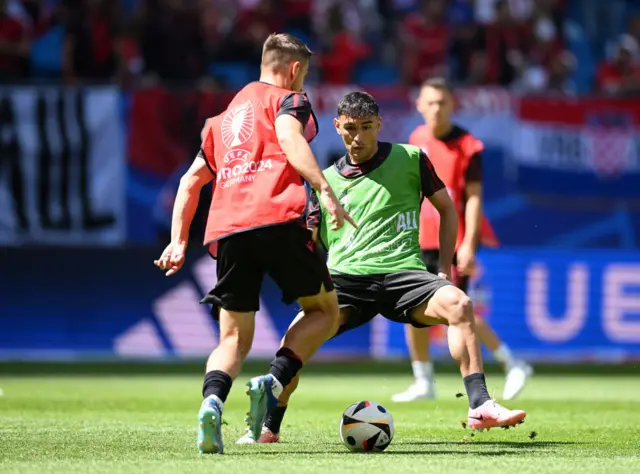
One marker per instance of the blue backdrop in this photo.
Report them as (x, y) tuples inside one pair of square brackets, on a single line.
[(547, 304)]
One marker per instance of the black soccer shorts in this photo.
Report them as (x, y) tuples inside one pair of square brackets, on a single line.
[(285, 252), (393, 295), (431, 259)]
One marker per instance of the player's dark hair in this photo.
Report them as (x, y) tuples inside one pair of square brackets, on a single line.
[(439, 83), (358, 105), (280, 49)]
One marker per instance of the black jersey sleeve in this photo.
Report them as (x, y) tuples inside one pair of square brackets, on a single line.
[(313, 214), (297, 105), (474, 170), (431, 182)]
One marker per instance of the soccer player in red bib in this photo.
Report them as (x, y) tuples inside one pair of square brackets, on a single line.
[(257, 154), (456, 156)]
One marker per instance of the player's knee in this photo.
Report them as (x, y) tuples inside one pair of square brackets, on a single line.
[(458, 306), (325, 302)]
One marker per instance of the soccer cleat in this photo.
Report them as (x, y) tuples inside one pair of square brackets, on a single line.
[(209, 427), (417, 391), (266, 437), (517, 376), (262, 402), (493, 415)]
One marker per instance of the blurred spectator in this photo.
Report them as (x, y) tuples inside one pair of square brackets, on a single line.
[(14, 45), (171, 43), (508, 42), (425, 38), (344, 52), (554, 79), (215, 28), (621, 75), (91, 48), (298, 15), (634, 27), (521, 44), (547, 27), (468, 53), (486, 11), (252, 28), (359, 17)]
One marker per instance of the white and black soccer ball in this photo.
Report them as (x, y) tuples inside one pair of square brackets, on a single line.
[(366, 427)]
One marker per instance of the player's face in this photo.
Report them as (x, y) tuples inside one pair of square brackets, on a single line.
[(435, 105), (360, 135), (298, 72)]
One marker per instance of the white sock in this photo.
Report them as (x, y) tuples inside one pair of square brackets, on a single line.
[(276, 387), (504, 356), (216, 398), (422, 371)]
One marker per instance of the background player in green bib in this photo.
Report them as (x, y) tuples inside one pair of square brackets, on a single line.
[(378, 269)]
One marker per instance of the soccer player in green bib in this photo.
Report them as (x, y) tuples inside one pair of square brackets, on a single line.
[(377, 267)]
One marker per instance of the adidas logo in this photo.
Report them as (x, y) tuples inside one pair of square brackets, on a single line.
[(182, 327)]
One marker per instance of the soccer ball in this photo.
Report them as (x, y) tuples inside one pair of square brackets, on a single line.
[(366, 427)]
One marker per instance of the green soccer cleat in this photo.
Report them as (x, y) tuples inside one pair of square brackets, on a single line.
[(210, 426), (262, 402)]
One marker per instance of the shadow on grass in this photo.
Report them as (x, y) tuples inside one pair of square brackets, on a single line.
[(513, 448), (502, 444)]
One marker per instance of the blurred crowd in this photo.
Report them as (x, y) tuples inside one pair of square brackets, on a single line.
[(550, 46)]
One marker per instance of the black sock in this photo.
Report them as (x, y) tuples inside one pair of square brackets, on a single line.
[(476, 389), (285, 366), (217, 383), (274, 420)]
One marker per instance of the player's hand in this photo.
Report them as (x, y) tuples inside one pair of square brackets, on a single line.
[(466, 258), (444, 276), (338, 214), (172, 258)]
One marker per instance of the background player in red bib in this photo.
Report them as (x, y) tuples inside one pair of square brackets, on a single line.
[(456, 155), (257, 154)]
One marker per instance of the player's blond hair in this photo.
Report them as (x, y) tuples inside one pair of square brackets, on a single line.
[(281, 49)]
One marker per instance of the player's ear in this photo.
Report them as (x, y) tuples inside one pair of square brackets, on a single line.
[(336, 124), (379, 122), (296, 69)]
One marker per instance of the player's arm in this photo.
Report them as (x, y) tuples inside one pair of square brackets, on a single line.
[(448, 228), (433, 189), (291, 119), (197, 176), (473, 204)]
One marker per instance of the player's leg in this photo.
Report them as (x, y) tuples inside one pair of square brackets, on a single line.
[(450, 306), (517, 371), (289, 258), (427, 300), (424, 384), (235, 299), (357, 307), (417, 340)]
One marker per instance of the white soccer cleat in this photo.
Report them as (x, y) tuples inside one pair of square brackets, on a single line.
[(491, 415), (247, 438), (266, 437), (517, 376), (419, 390)]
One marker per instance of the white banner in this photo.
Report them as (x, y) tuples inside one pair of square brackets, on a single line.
[(575, 148), (62, 166)]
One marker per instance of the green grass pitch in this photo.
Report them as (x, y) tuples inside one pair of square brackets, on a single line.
[(147, 424)]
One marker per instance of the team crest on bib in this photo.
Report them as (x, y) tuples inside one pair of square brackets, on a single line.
[(237, 125)]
